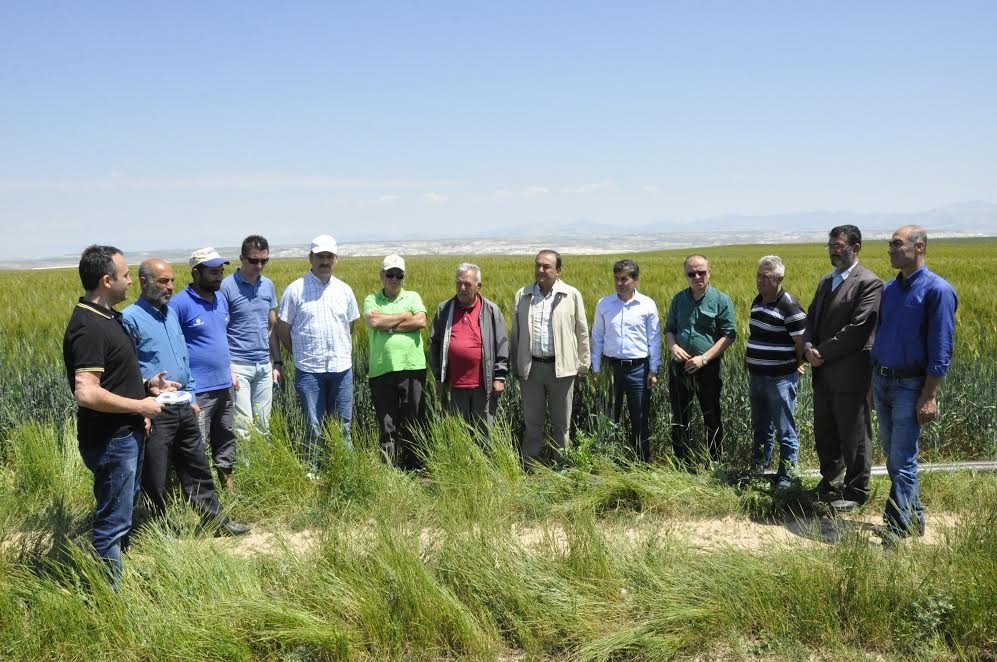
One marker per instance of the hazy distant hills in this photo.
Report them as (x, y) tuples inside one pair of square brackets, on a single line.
[(967, 219)]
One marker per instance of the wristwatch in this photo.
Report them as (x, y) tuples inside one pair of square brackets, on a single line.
[(705, 360)]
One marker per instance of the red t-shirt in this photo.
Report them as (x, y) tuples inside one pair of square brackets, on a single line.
[(464, 352)]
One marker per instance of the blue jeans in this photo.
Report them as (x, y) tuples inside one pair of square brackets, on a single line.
[(324, 394), (896, 408), (254, 399), (116, 466), (773, 400)]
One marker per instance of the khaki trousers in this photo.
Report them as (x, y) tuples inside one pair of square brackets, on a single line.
[(540, 391)]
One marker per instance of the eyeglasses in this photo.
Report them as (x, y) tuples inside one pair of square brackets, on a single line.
[(253, 260), (837, 247), (696, 274), (395, 275)]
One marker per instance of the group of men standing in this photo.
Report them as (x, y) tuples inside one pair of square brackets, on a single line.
[(171, 375)]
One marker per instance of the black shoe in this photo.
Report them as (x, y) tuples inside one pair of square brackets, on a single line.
[(230, 528)]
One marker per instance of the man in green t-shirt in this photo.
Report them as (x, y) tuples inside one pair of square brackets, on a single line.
[(396, 372), (699, 327)]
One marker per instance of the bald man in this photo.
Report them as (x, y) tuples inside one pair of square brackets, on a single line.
[(175, 437)]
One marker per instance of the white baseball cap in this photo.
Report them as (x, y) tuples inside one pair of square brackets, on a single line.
[(393, 262), (325, 243), (207, 257)]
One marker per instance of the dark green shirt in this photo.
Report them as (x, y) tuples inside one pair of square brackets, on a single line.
[(698, 325)]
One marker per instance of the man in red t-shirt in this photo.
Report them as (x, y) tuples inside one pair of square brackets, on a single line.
[(469, 350)]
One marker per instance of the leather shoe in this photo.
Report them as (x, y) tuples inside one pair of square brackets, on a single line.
[(230, 528)]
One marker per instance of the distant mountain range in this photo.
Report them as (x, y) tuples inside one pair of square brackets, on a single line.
[(971, 218), (967, 219)]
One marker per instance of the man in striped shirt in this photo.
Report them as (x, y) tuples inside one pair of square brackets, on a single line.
[(774, 356)]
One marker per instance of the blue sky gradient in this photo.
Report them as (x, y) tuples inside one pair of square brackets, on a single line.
[(185, 124)]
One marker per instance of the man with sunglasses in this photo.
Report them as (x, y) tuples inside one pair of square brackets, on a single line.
[(252, 302), (395, 319), (841, 323), (699, 328)]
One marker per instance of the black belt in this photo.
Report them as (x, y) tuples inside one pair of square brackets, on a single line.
[(626, 363), (543, 359), (898, 373)]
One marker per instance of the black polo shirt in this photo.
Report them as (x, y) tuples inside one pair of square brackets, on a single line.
[(95, 341)]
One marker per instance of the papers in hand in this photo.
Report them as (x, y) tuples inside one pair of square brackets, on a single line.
[(174, 398)]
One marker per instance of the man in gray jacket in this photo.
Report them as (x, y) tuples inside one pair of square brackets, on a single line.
[(469, 350), (549, 345)]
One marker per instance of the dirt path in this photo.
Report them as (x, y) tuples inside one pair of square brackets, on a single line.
[(708, 535)]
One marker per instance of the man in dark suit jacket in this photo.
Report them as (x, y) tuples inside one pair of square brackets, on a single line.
[(841, 324)]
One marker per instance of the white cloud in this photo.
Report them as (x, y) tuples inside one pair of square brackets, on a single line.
[(435, 198), (389, 198), (649, 188), (535, 191), (594, 187)]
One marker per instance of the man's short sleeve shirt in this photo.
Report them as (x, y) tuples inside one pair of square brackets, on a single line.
[(96, 342), (319, 315), (204, 325), (249, 306), (391, 352), (772, 327), (698, 325)]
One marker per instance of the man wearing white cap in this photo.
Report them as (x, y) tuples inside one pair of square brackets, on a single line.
[(204, 318), (397, 364), (315, 321)]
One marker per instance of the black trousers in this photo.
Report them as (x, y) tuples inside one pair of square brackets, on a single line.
[(705, 385), (399, 408), (175, 441), (843, 437)]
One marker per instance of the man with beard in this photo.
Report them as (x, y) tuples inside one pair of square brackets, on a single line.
[(204, 320), (175, 437), (841, 324)]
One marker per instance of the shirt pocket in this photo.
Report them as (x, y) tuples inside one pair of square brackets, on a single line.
[(706, 323)]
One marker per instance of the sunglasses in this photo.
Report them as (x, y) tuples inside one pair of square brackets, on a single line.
[(394, 274), (696, 274), (253, 260)]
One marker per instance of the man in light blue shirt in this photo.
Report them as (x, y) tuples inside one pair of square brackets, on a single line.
[(626, 336), (175, 437), (204, 320), (252, 305)]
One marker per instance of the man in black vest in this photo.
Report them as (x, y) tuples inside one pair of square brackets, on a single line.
[(841, 324)]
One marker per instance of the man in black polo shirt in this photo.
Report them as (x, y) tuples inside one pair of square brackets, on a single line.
[(113, 400)]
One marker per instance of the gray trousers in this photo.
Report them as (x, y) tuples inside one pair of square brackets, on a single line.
[(217, 423), (540, 391), (474, 405)]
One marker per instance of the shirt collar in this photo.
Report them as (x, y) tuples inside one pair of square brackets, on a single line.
[(843, 275), (145, 305), (908, 282), (237, 274), (108, 313)]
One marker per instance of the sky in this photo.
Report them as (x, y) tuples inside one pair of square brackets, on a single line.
[(172, 125)]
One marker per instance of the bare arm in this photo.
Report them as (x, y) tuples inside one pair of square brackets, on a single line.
[(90, 394), (712, 354), (399, 322)]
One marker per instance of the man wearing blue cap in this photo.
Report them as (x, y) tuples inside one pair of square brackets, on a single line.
[(204, 318)]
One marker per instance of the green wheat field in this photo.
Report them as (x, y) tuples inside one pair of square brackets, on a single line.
[(599, 559)]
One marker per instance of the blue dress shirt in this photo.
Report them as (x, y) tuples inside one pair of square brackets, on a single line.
[(159, 342), (916, 324)]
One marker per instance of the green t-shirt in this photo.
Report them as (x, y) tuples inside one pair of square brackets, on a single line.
[(391, 352), (698, 325)]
